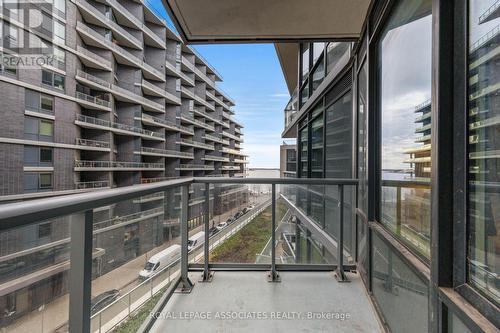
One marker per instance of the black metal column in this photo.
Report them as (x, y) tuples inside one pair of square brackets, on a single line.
[(273, 275), (207, 274), (185, 285), (80, 274), (339, 273)]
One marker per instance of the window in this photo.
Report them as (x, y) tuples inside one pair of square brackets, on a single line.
[(305, 61), (317, 51), (53, 79), (317, 146), (37, 182), (339, 137), (10, 36), (318, 74), (59, 32), (304, 94), (37, 156), (303, 152), (404, 70), (60, 6), (44, 230), (335, 52), (483, 262), (38, 129), (363, 138), (45, 180), (35, 101)]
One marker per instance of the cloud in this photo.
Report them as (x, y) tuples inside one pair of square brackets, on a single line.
[(280, 95)]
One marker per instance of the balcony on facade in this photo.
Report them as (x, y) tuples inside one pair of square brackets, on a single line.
[(93, 38), (116, 166), (146, 151), (188, 118), (117, 128), (196, 144), (195, 167)]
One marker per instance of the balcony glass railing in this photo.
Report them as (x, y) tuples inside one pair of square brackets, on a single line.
[(92, 99), (285, 224), (168, 153), (91, 185), (116, 165), (122, 127), (92, 143)]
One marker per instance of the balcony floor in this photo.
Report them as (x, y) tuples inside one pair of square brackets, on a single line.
[(243, 292)]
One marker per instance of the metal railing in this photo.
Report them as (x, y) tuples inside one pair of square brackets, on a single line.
[(116, 165), (89, 54), (167, 123), (166, 152), (94, 184), (105, 123), (92, 78), (197, 144), (92, 143), (195, 167), (490, 10), (92, 99), (27, 213)]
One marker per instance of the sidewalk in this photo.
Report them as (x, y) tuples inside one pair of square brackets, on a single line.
[(55, 314)]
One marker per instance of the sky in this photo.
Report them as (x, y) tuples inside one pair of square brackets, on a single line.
[(252, 76)]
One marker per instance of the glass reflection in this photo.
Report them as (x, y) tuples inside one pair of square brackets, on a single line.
[(405, 81), (484, 148)]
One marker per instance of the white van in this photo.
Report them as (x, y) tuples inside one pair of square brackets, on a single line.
[(196, 240), (160, 260)]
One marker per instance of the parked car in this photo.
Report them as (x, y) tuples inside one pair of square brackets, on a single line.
[(245, 210), (238, 215), (213, 231), (102, 300), (221, 226), (230, 220)]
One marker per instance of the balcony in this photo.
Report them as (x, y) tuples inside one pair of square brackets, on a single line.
[(126, 95), (92, 60), (186, 117), (232, 136), (286, 251), (196, 144), (154, 121), (99, 184), (93, 15), (153, 90), (92, 102), (96, 145), (117, 128), (93, 38), (116, 166), (195, 167), (215, 158), (166, 153), (213, 138)]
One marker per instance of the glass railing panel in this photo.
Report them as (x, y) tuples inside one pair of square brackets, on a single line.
[(241, 223), (406, 212), (140, 244), (34, 275)]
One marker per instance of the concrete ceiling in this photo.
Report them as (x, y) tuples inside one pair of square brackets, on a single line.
[(225, 21), (288, 55)]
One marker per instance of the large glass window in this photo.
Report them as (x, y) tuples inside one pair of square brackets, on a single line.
[(317, 147), (484, 150), (303, 152), (404, 71), (363, 138), (401, 295), (339, 138), (305, 61), (38, 129), (335, 52)]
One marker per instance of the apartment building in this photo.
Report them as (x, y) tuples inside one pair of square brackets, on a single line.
[(125, 102), (288, 160)]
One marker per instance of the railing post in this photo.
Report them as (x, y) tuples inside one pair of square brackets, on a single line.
[(339, 273), (398, 210), (207, 274), (185, 285), (80, 278), (273, 276), (298, 243)]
